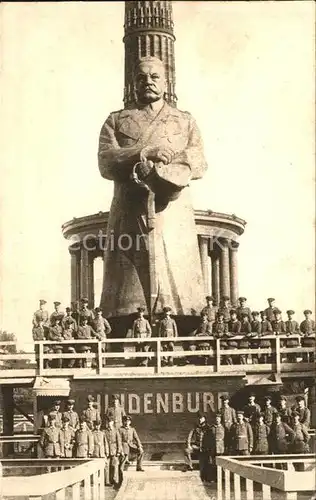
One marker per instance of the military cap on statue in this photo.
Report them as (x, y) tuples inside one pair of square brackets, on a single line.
[(242, 299), (290, 311), (90, 399), (42, 302), (166, 309), (141, 309), (271, 299), (307, 311), (57, 303), (299, 398)]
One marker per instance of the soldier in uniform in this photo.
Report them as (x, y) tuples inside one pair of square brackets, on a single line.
[(100, 442), (116, 411), (50, 438), (241, 436), (167, 328), (244, 343), (291, 328), (268, 411), (225, 308), (85, 331), (68, 334), (39, 333), (256, 329), (220, 331), (55, 334), (199, 444), (269, 311), (266, 329), (113, 437), (75, 311), (217, 441), (85, 311), (57, 313), (300, 439), (210, 309), (280, 436), (55, 409), (228, 418), (278, 325), (204, 330), (68, 321), (101, 325), (243, 309), (303, 412), (234, 327), (307, 328), (131, 445), (90, 414), (261, 433), (67, 438), (83, 441), (284, 411), (71, 414), (142, 330), (252, 410), (41, 314)]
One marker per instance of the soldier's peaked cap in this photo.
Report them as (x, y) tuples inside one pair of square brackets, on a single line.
[(57, 402), (57, 303), (240, 412), (126, 417), (90, 399), (209, 297), (233, 311), (84, 300), (141, 309), (251, 395), (282, 398), (68, 308), (277, 311), (242, 299), (255, 313), (244, 315), (42, 301), (97, 422), (203, 313), (115, 396), (290, 311), (225, 397), (167, 309), (225, 297), (268, 398), (307, 311), (218, 414), (299, 398), (52, 415), (271, 299), (70, 401), (98, 309)]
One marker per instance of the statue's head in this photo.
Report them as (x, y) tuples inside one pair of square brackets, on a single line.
[(149, 80)]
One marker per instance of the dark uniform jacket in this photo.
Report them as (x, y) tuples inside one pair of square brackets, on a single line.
[(220, 329), (285, 414), (307, 326), (261, 438), (278, 326), (50, 441), (234, 327), (102, 327), (226, 312), (279, 437), (114, 441), (217, 437), (243, 310), (168, 328), (256, 326), (67, 440), (242, 436), (100, 444), (91, 415), (199, 438), (300, 440), (117, 412), (86, 332), (269, 413), (141, 328), (39, 333), (211, 312), (73, 418), (83, 443), (55, 333), (69, 322), (305, 415), (291, 326), (266, 327), (55, 314), (130, 439), (40, 315), (251, 412), (269, 311), (86, 313)]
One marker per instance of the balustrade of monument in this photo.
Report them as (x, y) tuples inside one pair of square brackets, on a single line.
[(125, 357)]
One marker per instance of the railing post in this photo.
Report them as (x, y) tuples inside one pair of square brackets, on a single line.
[(249, 489), (100, 364), (277, 355), (87, 487), (227, 484), (219, 483), (217, 354), (60, 494), (40, 359), (158, 353), (101, 483), (75, 491), (95, 486), (237, 491), (266, 492)]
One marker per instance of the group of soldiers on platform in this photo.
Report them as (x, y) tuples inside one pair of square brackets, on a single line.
[(252, 430), (217, 322), (66, 434)]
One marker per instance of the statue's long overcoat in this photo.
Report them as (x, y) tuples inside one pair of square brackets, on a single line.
[(177, 260)]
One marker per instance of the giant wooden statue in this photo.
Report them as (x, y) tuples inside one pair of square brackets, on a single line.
[(152, 152)]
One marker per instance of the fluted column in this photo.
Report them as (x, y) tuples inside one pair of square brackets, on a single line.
[(233, 261), (204, 255), (215, 275), (224, 267), (91, 280), (75, 274), (84, 272)]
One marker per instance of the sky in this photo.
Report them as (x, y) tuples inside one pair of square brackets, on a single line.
[(245, 72)]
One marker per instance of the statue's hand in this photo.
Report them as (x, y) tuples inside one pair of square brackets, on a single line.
[(157, 153)]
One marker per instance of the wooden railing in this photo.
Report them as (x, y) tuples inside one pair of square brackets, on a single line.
[(115, 356), (73, 479), (266, 473)]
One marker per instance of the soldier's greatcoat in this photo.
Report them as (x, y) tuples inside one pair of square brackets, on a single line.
[(83, 443), (179, 281), (90, 415), (100, 444), (50, 442), (67, 439), (228, 416), (280, 436), (242, 437), (269, 413), (73, 418), (117, 412), (261, 439), (217, 437)]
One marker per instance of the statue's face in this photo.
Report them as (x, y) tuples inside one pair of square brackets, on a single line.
[(150, 82)]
